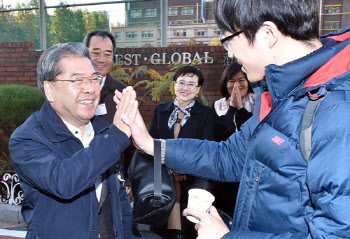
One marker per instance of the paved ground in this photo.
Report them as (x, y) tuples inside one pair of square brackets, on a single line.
[(12, 230), (12, 225), (18, 231), (10, 237), (11, 222)]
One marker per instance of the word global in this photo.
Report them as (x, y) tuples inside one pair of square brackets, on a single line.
[(157, 59)]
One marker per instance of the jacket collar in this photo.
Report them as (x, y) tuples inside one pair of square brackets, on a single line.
[(282, 80), (54, 127), (169, 107), (107, 86), (337, 65)]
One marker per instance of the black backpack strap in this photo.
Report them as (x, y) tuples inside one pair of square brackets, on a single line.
[(157, 174), (307, 123)]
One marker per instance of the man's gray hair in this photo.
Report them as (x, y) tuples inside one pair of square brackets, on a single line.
[(49, 64)]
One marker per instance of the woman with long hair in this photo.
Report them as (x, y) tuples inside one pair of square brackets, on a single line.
[(235, 108), (237, 104)]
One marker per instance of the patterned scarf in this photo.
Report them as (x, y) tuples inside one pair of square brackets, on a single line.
[(186, 111)]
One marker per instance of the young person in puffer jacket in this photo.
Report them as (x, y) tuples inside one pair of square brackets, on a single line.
[(281, 195)]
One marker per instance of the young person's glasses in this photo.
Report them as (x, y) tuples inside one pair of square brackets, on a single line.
[(80, 81), (225, 40)]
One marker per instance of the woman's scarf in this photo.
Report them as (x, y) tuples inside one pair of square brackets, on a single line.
[(186, 111)]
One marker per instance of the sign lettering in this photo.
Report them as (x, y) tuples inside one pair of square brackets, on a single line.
[(164, 58)]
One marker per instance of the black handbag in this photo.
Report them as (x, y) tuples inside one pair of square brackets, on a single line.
[(152, 187)]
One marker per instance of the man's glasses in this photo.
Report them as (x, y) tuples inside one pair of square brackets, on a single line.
[(182, 84), (225, 40), (80, 81)]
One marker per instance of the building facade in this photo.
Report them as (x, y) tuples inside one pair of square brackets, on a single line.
[(137, 36), (193, 20), (143, 14), (334, 15), (187, 20)]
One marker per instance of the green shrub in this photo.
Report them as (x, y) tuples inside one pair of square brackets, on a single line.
[(17, 103)]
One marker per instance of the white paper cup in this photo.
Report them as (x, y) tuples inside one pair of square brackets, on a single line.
[(200, 200)]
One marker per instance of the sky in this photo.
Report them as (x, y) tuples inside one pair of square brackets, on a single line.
[(116, 11)]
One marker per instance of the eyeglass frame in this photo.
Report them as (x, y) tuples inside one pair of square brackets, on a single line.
[(90, 80), (224, 39), (184, 84)]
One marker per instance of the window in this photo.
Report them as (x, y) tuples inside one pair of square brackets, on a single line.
[(187, 10), (147, 34), (217, 33), (332, 25), (149, 23), (136, 13), (131, 35), (332, 8), (201, 33), (118, 36), (179, 33), (180, 22), (172, 11), (151, 12)]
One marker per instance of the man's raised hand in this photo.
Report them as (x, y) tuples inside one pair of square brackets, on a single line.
[(127, 105), (140, 136)]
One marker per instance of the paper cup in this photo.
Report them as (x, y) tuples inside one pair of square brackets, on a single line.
[(200, 200)]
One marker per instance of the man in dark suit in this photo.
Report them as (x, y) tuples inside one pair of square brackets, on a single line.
[(102, 47)]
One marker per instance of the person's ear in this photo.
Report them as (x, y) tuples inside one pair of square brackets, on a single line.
[(48, 90), (270, 32), (198, 89)]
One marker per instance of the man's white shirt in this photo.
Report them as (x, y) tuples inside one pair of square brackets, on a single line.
[(101, 108), (88, 137)]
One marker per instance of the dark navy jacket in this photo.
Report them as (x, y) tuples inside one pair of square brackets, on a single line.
[(57, 175), (280, 194)]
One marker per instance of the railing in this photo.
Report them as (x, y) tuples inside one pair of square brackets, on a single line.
[(10, 190)]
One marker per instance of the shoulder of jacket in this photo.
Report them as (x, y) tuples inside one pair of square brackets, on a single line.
[(166, 106), (30, 123), (98, 123), (113, 83), (201, 107)]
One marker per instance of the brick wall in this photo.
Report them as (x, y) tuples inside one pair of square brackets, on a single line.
[(18, 63), (18, 66)]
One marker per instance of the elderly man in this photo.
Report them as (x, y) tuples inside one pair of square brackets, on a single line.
[(282, 194), (66, 158)]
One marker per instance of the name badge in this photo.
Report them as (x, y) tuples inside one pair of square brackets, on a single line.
[(101, 109)]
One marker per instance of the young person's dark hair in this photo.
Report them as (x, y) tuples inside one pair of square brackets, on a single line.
[(230, 71), (103, 34), (190, 71), (299, 23)]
